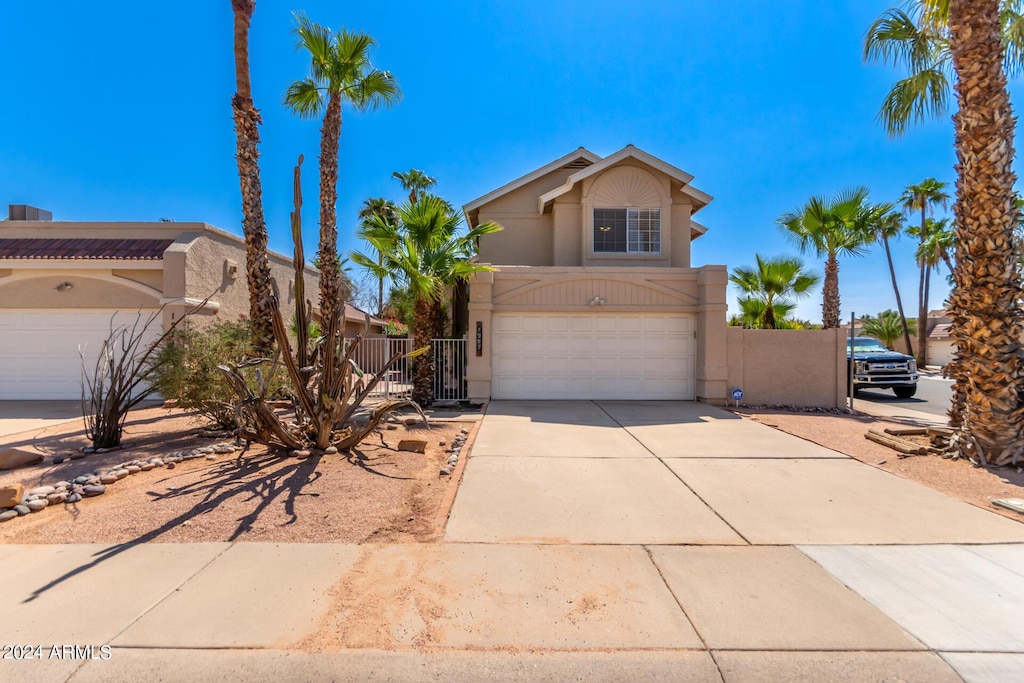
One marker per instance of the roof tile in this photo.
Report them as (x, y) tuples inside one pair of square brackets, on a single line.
[(106, 249)]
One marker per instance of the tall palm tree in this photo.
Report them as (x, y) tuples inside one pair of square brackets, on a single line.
[(916, 37), (414, 181), (426, 254), (340, 73), (923, 197), (247, 155), (829, 227), (890, 226), (386, 211), (985, 304), (938, 247), (770, 289)]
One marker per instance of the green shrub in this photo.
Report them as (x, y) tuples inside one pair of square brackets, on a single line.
[(187, 369)]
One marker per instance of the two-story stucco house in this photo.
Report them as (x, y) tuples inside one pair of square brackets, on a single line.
[(593, 295)]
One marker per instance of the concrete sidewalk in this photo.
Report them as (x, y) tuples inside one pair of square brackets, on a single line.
[(596, 541)]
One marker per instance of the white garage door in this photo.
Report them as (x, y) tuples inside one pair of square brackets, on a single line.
[(641, 356), (39, 349)]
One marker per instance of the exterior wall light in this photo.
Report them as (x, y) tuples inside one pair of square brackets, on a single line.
[(597, 301), (64, 286)]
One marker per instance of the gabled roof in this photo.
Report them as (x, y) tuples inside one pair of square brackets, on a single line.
[(47, 248), (580, 154), (701, 199), (359, 315)]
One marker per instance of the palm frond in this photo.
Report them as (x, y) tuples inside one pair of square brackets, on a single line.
[(305, 98), (913, 99)]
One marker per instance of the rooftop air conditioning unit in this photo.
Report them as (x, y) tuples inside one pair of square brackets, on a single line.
[(24, 212)]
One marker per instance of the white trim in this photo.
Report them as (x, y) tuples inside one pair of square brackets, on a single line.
[(629, 151), (697, 227), (580, 153), (100, 275)]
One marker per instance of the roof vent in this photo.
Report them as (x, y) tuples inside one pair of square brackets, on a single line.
[(24, 212), (577, 164)]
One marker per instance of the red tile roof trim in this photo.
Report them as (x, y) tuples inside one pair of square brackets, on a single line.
[(104, 249)]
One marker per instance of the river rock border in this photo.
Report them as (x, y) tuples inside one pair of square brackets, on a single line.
[(95, 483)]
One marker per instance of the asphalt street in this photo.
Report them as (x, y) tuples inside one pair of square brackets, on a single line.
[(933, 396)]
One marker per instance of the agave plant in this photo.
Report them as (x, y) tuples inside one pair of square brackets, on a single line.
[(328, 388)]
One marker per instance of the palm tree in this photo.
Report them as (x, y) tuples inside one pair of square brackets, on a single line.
[(247, 155), (829, 227), (425, 254), (385, 210), (923, 197), (886, 328), (938, 247), (414, 181), (985, 303), (889, 226), (770, 289), (917, 38), (340, 72)]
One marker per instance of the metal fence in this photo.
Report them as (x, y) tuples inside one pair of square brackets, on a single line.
[(449, 367)]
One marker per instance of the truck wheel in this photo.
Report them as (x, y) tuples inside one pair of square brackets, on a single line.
[(905, 392)]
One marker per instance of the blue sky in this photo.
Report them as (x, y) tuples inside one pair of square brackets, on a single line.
[(121, 111)]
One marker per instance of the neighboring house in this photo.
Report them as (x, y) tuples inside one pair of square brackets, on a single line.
[(63, 283), (939, 337), (593, 294)]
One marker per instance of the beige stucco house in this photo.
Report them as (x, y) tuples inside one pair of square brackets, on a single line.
[(593, 294), (63, 282)]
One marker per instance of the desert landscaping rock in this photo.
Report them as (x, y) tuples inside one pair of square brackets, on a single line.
[(73, 498), (120, 473), (133, 469), (22, 510), (301, 454), (413, 445), (11, 495), (59, 459), (7, 515), (78, 456), (37, 504), (223, 448), (88, 449), (94, 490), (171, 465), (391, 426), (56, 498), (14, 458), (146, 466), (211, 456), (108, 478), (446, 471), (41, 491), (330, 450)]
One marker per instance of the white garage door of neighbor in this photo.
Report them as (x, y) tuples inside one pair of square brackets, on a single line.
[(640, 356), (39, 349)]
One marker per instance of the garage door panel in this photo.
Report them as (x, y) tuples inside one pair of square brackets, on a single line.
[(600, 355), (39, 350)]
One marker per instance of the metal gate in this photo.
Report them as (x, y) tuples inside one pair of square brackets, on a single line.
[(449, 367)]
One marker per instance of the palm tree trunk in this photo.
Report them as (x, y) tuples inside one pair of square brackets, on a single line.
[(769, 316), (922, 300), (330, 276), (423, 365), (247, 154), (830, 294), (380, 286), (987, 317), (923, 351), (896, 291)]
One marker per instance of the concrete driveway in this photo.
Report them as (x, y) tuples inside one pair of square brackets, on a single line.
[(616, 472), (24, 416)]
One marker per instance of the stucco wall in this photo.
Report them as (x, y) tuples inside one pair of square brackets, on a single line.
[(788, 367), (38, 289), (216, 266), (564, 234)]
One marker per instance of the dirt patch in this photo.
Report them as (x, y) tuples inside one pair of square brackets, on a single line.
[(845, 433), (374, 493)]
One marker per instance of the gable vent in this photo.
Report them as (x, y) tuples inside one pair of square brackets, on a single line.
[(578, 164)]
